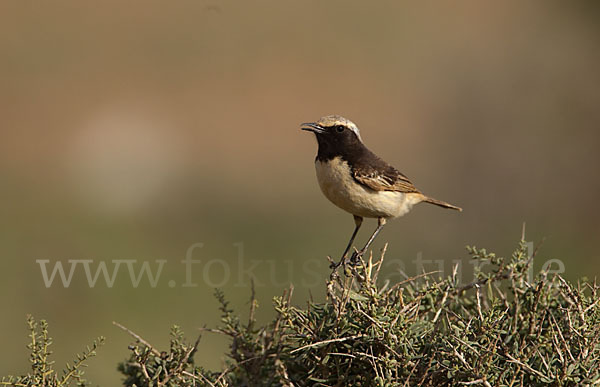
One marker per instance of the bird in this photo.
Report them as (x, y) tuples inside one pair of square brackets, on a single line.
[(360, 182)]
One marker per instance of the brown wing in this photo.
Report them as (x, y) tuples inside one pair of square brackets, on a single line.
[(383, 177)]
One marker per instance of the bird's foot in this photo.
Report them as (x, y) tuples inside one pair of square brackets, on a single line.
[(343, 261), (332, 264), (355, 258)]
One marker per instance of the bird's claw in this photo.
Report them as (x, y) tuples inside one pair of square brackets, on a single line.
[(355, 258)]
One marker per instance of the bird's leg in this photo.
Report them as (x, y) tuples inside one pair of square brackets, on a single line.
[(380, 223), (357, 221)]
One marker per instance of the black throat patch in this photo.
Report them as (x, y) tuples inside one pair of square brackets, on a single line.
[(360, 159), (346, 145)]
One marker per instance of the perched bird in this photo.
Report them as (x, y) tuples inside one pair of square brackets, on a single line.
[(358, 181)]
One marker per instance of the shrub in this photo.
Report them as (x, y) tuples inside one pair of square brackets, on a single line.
[(43, 373), (503, 329)]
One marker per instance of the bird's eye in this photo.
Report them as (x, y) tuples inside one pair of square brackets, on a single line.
[(339, 128)]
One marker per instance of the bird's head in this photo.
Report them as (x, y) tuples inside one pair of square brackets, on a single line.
[(334, 131)]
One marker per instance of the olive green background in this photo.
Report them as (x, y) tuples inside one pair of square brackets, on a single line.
[(132, 130)]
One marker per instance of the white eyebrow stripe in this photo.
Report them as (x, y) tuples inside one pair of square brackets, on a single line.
[(334, 120)]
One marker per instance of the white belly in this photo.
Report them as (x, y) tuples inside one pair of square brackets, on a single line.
[(338, 185)]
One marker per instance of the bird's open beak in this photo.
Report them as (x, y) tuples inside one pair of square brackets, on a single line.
[(312, 127)]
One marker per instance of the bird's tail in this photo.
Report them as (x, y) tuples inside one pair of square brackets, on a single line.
[(441, 203)]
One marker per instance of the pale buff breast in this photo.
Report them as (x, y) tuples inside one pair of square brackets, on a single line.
[(338, 185)]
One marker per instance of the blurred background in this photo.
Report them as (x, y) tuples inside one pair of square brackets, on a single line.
[(134, 131)]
